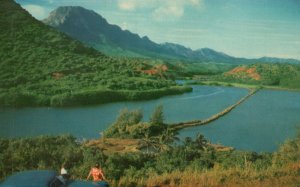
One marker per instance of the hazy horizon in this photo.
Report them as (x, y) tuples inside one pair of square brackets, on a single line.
[(241, 28)]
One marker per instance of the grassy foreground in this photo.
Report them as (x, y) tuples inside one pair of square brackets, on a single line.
[(180, 166), (248, 176)]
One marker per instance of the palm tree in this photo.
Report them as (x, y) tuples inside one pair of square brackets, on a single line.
[(168, 136), (165, 139), (149, 142), (200, 142)]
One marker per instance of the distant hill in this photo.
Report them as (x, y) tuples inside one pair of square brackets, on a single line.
[(41, 66), (279, 75), (278, 60), (92, 29)]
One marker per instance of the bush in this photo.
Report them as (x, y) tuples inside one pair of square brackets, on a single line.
[(288, 152)]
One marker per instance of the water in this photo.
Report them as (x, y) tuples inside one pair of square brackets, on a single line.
[(87, 122), (259, 124)]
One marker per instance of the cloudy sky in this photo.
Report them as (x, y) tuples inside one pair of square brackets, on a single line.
[(242, 28)]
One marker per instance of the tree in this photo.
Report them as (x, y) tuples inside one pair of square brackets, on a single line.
[(149, 142), (168, 137), (124, 122), (200, 142), (127, 117), (188, 142), (157, 117), (165, 139)]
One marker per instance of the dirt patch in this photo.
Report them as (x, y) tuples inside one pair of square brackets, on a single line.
[(219, 147), (243, 72), (57, 75), (156, 70)]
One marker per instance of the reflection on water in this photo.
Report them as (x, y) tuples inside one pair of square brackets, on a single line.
[(218, 91)]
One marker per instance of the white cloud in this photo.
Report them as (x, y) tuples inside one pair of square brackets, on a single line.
[(195, 2), (130, 5), (36, 11), (127, 5), (172, 11), (160, 10)]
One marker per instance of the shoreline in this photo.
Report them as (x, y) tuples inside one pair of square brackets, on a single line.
[(91, 97), (98, 97), (241, 85)]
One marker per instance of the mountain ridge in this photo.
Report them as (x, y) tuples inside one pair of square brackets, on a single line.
[(94, 30)]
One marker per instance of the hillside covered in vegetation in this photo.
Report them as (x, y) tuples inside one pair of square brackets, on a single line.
[(286, 76), (40, 66)]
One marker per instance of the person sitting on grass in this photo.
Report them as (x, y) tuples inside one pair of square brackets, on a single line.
[(98, 176)]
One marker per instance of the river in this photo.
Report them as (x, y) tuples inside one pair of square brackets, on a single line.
[(259, 124)]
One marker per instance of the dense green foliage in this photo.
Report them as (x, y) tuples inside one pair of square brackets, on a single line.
[(182, 69), (281, 75), (190, 69), (41, 66), (289, 152), (47, 152), (129, 125)]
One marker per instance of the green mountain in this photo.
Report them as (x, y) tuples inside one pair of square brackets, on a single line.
[(92, 29), (41, 66)]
